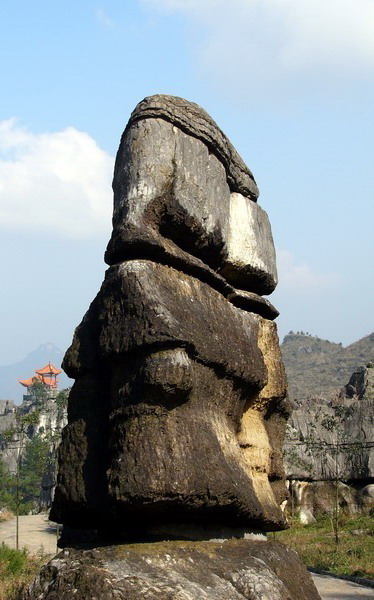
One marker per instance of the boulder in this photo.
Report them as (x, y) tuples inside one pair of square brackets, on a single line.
[(311, 499), (232, 570), (366, 496)]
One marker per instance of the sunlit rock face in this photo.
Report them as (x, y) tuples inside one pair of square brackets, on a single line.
[(177, 415)]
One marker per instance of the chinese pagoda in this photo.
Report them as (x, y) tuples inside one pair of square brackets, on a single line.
[(47, 375)]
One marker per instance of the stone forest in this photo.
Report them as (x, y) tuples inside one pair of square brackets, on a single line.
[(170, 466)]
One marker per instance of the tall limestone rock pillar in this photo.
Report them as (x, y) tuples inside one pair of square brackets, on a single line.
[(176, 417), (171, 459)]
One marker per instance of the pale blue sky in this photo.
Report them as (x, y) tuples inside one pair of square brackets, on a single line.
[(291, 83)]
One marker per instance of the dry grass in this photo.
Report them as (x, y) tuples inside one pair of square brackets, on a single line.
[(17, 569), (5, 515), (353, 555)]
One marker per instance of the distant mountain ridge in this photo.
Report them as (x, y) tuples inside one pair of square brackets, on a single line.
[(10, 389), (316, 366)]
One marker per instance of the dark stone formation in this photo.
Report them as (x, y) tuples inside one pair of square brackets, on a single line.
[(177, 415), (359, 383), (231, 570), (178, 409)]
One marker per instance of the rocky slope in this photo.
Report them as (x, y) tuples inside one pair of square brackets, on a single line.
[(316, 366)]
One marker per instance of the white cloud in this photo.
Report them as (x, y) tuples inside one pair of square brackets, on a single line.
[(54, 181), (104, 19), (301, 277), (247, 42)]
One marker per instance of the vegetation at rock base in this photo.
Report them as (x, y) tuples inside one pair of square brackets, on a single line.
[(39, 393), (314, 365), (17, 569), (29, 440), (33, 465), (316, 546), (7, 488)]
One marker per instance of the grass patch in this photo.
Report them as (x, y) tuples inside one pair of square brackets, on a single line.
[(354, 555), (5, 515), (17, 569)]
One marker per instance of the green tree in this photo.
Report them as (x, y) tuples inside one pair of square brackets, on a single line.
[(7, 487), (62, 398), (340, 443), (39, 393), (16, 437), (33, 465)]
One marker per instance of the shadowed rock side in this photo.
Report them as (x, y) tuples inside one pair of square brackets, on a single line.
[(177, 415), (176, 570)]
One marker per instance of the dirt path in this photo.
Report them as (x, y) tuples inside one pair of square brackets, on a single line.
[(331, 588), (36, 533)]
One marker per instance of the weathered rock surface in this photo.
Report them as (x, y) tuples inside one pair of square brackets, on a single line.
[(7, 422), (183, 196), (178, 391), (231, 570), (50, 420), (361, 384), (332, 439), (177, 415), (195, 121), (311, 499), (329, 438)]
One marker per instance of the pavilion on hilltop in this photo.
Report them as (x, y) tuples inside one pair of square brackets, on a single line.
[(47, 375)]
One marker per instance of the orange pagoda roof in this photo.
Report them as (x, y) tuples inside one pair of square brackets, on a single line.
[(49, 369), (28, 382), (47, 375)]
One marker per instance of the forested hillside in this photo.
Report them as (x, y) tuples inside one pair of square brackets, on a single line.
[(314, 365)]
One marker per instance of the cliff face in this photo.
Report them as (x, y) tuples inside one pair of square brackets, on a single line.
[(49, 419), (7, 422), (330, 440)]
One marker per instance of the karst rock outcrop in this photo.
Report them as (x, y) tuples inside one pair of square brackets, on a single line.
[(177, 414), (331, 439)]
